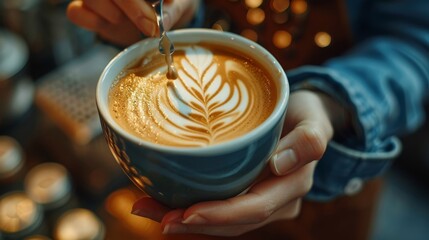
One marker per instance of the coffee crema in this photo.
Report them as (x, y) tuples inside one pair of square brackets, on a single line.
[(219, 95)]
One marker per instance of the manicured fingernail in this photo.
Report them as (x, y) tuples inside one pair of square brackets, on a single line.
[(174, 228), (284, 161), (195, 219), (148, 26), (143, 213), (138, 212)]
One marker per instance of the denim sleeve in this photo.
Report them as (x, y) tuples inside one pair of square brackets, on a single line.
[(383, 81)]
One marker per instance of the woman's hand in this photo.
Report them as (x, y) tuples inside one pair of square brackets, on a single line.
[(273, 198), (277, 194), (122, 21)]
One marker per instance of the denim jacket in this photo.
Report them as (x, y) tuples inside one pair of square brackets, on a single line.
[(383, 81)]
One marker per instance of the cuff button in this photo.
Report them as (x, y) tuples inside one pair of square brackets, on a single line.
[(353, 186)]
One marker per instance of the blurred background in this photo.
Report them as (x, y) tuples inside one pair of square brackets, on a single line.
[(57, 177)]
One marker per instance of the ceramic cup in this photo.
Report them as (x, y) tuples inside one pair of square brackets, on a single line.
[(180, 177)]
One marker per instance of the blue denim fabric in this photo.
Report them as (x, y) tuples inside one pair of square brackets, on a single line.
[(383, 81)]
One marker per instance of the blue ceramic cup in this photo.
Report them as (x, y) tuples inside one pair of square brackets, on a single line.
[(180, 177)]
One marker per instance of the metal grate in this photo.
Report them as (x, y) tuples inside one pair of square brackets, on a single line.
[(67, 95)]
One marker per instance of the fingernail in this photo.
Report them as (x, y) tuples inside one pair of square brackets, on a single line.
[(284, 161), (137, 212), (195, 219), (148, 26), (174, 228)]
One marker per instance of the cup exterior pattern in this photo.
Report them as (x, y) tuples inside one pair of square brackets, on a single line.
[(180, 180)]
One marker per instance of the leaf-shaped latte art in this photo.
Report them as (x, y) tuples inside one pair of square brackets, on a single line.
[(217, 97)]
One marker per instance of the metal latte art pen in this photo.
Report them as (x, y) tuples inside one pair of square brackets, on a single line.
[(165, 47)]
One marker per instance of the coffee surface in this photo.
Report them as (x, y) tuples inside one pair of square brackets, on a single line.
[(219, 95)]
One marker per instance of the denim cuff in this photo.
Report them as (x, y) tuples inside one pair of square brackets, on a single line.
[(356, 158), (349, 94), (342, 169)]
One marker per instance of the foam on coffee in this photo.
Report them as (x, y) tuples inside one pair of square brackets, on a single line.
[(218, 95)]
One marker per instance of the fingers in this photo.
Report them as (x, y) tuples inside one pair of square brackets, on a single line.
[(116, 20), (304, 144), (105, 9), (289, 211), (257, 205), (309, 130), (141, 14), (122, 22), (175, 13), (124, 33), (149, 208), (84, 17), (274, 199)]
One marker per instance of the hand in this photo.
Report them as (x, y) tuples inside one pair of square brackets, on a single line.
[(122, 21), (277, 194)]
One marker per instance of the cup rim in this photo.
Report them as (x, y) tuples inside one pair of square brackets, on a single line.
[(222, 147)]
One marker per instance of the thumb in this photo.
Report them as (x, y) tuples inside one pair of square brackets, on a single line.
[(309, 125), (304, 144)]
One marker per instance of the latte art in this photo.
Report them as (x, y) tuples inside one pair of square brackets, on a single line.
[(217, 96)]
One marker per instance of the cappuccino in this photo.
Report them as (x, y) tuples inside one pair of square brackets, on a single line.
[(219, 94)]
